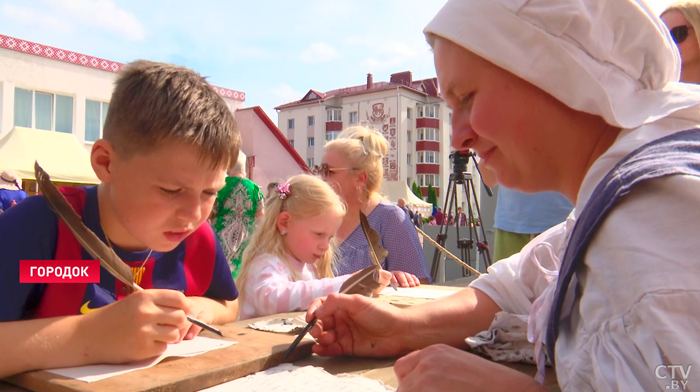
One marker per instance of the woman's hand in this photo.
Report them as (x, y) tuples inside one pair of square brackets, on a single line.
[(443, 368), (356, 325)]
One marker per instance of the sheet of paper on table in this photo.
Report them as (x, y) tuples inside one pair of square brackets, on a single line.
[(290, 378), (416, 292), (186, 348)]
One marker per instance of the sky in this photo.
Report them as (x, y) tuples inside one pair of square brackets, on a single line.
[(273, 50)]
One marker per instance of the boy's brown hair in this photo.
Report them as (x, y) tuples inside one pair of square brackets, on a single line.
[(157, 103)]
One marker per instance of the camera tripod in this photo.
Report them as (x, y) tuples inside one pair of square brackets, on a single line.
[(460, 176)]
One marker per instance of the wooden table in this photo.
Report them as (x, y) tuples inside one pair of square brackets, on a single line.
[(383, 369), (404, 302), (256, 351)]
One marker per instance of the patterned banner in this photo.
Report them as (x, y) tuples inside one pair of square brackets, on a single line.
[(377, 121)]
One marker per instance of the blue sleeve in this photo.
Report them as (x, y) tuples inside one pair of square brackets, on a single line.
[(400, 239), (28, 231), (222, 285)]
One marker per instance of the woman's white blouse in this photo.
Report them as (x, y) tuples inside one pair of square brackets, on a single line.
[(639, 306)]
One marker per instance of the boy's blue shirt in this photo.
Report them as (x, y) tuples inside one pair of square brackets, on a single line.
[(29, 230)]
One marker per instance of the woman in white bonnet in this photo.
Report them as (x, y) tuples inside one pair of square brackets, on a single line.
[(579, 97)]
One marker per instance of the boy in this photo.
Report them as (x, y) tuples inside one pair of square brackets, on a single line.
[(168, 141)]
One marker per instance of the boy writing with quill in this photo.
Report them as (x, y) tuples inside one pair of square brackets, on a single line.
[(168, 142)]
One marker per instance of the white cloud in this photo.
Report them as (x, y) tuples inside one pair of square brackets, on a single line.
[(385, 54), (102, 14), (284, 93), (29, 16), (400, 49), (319, 53), (374, 64)]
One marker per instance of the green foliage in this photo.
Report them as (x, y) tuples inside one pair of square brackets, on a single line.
[(432, 196), (416, 190)]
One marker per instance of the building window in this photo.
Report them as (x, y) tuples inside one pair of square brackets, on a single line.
[(408, 159), (50, 112), (310, 142), (450, 118), (427, 157), (409, 182), (428, 179), (310, 120), (310, 162), (409, 113), (95, 115), (332, 135), (353, 117), (291, 141), (333, 115), (427, 111), (429, 134), (290, 123), (408, 135)]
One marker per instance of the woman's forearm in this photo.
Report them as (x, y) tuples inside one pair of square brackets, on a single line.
[(449, 320)]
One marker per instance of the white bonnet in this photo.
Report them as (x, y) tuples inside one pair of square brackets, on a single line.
[(613, 58)]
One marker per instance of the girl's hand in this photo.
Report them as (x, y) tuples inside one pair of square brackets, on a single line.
[(384, 279), (404, 279)]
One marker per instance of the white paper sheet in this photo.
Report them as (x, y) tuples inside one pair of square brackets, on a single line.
[(186, 348), (416, 292), (290, 378)]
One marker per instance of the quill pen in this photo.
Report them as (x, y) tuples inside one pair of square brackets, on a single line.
[(363, 282), (89, 240), (376, 252)]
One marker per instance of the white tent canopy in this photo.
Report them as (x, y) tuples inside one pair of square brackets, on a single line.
[(60, 154), (395, 190)]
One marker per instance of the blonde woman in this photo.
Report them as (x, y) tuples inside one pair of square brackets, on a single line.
[(352, 164), (289, 260), (579, 97), (683, 21)]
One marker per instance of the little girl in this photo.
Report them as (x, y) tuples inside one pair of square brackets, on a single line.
[(288, 262)]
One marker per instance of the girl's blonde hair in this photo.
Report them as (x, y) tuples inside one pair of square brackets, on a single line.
[(691, 10), (309, 196), (364, 148)]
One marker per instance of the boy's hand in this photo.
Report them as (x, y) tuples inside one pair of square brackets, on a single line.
[(139, 326), (201, 312)]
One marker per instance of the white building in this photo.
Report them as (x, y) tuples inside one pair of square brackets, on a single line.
[(58, 90), (409, 113)]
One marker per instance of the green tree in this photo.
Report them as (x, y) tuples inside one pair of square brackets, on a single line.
[(432, 196), (416, 190)]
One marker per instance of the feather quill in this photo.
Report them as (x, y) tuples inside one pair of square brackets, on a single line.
[(89, 240), (363, 282), (376, 252)]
